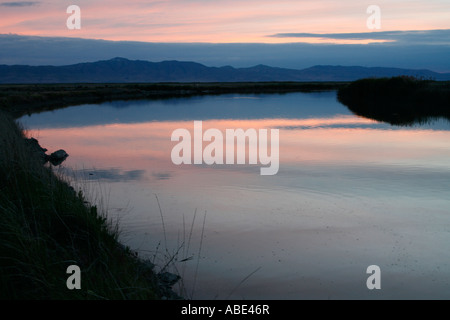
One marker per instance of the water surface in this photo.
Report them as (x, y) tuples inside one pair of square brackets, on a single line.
[(349, 193)]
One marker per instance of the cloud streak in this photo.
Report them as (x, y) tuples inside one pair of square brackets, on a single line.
[(19, 4), (441, 36)]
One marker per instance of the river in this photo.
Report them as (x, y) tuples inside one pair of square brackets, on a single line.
[(349, 193)]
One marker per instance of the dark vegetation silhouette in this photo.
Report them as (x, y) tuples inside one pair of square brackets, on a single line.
[(19, 100), (399, 100)]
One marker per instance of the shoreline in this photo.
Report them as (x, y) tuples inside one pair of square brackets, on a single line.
[(47, 226), (51, 226), (22, 99)]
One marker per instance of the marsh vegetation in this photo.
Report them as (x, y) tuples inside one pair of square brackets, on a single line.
[(398, 100)]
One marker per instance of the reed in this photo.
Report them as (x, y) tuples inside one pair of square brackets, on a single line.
[(46, 226)]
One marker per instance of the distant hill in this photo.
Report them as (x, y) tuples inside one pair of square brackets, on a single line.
[(121, 70)]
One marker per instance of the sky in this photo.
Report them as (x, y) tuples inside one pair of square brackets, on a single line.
[(327, 25)]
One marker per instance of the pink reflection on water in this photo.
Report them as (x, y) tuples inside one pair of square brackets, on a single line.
[(148, 145), (313, 234)]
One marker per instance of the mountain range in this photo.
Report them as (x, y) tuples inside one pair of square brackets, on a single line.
[(121, 70)]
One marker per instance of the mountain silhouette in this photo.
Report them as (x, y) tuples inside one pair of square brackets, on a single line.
[(121, 70)]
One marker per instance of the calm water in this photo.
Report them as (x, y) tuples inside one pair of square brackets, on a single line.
[(350, 193)]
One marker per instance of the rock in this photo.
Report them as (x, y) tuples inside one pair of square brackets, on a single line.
[(165, 282), (36, 148), (35, 144), (58, 157), (168, 279)]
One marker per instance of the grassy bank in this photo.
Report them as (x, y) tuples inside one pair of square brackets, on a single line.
[(46, 226), (398, 100), (22, 99)]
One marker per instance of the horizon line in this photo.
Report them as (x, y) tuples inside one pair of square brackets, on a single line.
[(224, 66)]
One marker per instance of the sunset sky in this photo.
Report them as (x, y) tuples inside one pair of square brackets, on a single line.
[(413, 22), (218, 21)]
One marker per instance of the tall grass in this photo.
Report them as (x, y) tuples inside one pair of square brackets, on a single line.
[(180, 258), (45, 226)]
